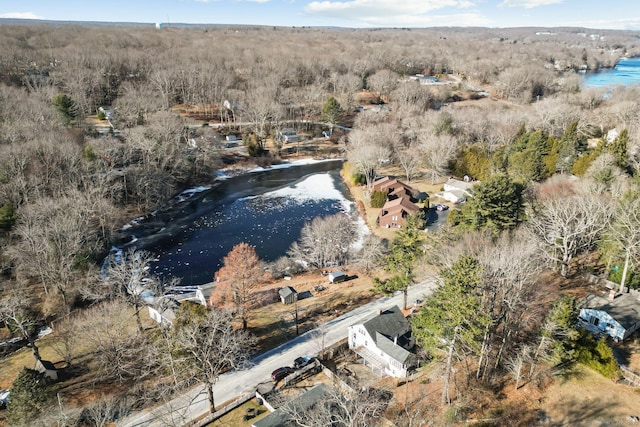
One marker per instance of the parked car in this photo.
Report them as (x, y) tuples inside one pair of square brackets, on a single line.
[(4, 398), (301, 362), (441, 207), (280, 373)]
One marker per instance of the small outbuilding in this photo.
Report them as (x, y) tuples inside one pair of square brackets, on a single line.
[(336, 277), (47, 369), (288, 295)]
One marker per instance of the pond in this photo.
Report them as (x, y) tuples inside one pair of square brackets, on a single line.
[(266, 209)]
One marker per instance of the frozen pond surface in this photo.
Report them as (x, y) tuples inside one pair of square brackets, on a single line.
[(266, 209)]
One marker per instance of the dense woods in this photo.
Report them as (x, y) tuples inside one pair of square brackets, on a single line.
[(509, 109)]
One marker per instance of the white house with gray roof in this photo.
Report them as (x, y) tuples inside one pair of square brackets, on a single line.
[(617, 315), (384, 343)]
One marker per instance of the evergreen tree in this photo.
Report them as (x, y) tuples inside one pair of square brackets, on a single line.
[(402, 258), (570, 146), (452, 319), (619, 148), (331, 111), (30, 396), (65, 105), (496, 205)]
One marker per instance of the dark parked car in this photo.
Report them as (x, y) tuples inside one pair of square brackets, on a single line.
[(280, 373), (301, 362)]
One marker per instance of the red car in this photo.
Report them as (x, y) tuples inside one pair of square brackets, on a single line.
[(280, 373)]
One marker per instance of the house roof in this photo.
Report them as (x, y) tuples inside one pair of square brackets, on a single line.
[(47, 365), (286, 291), (624, 308), (460, 185), (378, 182), (280, 417), (401, 203), (386, 183), (394, 350), (389, 323), (207, 289)]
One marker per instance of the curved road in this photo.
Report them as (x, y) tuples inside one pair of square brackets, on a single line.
[(233, 384)]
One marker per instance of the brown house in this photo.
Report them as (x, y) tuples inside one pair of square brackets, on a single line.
[(393, 188), (394, 213)]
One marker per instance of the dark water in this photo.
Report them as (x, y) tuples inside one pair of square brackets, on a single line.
[(626, 72), (265, 209)]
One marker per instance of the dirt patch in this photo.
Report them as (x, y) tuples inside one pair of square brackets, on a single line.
[(589, 399), (320, 302)]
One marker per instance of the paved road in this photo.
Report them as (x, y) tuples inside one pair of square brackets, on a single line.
[(233, 384)]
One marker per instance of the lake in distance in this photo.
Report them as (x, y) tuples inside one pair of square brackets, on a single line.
[(626, 72)]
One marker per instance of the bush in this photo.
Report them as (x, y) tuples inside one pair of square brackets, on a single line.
[(597, 355), (378, 199), (632, 281), (7, 216)]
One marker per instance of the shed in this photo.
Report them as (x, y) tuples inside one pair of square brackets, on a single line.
[(336, 277), (47, 369), (288, 295)]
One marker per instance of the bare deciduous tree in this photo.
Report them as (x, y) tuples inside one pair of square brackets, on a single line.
[(436, 151), (325, 241), (210, 346), (568, 224)]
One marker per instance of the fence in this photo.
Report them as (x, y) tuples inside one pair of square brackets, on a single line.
[(630, 376), (591, 278)]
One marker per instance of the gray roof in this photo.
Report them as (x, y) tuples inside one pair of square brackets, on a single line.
[(395, 351), (390, 323), (47, 365), (286, 291), (280, 417), (624, 308)]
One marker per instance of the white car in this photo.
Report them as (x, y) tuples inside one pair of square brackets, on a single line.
[(441, 207)]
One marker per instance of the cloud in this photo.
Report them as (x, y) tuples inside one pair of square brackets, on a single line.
[(394, 12), (528, 4), (353, 8), (20, 15), (631, 24)]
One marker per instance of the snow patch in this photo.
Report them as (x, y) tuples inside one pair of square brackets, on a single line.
[(314, 187)]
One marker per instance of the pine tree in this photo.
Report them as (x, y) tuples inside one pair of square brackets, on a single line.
[(402, 258), (331, 111), (496, 205), (30, 395), (451, 319)]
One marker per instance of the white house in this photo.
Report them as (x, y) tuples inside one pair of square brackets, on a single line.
[(164, 311), (617, 315), (457, 191), (383, 343)]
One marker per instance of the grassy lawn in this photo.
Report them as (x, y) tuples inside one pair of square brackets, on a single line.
[(235, 417)]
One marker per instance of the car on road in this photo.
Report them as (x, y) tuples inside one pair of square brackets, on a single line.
[(441, 207), (301, 362), (282, 372)]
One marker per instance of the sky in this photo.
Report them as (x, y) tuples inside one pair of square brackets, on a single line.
[(611, 14)]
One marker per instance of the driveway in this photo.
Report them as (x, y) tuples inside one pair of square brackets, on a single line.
[(231, 385)]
